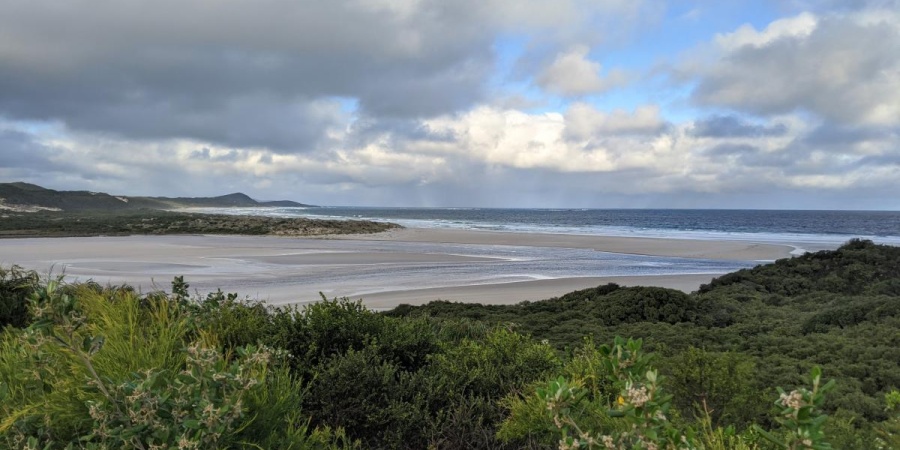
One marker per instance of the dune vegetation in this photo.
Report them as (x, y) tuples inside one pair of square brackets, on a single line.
[(91, 366), (154, 222)]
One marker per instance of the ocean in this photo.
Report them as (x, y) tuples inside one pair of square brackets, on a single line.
[(819, 228)]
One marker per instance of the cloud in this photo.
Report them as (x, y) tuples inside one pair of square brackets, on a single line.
[(842, 68), (584, 122), (235, 73), (27, 156), (502, 157), (812, 105), (21, 151), (721, 126), (264, 73), (798, 27), (582, 140), (853, 138), (418, 102), (572, 74), (842, 5)]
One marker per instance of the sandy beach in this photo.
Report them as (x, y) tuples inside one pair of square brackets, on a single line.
[(402, 266)]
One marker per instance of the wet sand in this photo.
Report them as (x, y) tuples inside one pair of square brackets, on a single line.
[(681, 248), (381, 269), (512, 293)]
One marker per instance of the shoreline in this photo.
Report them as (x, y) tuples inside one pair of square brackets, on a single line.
[(410, 265)]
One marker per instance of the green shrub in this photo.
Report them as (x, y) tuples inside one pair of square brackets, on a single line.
[(359, 391), (16, 286), (642, 410), (718, 386), (527, 419), (888, 432), (491, 367), (112, 372)]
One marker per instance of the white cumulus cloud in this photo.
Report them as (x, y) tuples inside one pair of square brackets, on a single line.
[(842, 68), (573, 74)]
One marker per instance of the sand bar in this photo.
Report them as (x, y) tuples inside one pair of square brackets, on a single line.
[(403, 266)]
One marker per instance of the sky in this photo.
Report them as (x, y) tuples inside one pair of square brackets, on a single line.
[(791, 104)]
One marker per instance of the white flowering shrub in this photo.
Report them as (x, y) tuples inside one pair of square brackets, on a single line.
[(642, 409), (642, 404), (801, 416), (200, 407)]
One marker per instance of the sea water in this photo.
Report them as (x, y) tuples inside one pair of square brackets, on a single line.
[(826, 228)]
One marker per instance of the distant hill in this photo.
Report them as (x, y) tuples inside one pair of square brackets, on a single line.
[(30, 197)]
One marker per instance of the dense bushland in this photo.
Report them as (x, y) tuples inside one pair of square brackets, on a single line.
[(771, 324), (105, 367), (153, 222)]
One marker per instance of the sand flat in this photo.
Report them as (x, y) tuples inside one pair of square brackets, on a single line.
[(682, 248), (349, 257), (402, 266), (512, 293)]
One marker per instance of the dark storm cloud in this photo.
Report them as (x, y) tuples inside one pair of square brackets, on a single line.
[(793, 159), (731, 149), (24, 158), (368, 129), (879, 161), (825, 151), (19, 151), (834, 135), (733, 126), (206, 154), (240, 122), (236, 73)]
